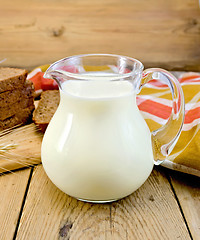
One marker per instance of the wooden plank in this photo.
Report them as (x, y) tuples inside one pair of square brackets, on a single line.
[(187, 189), (150, 213), (20, 147), (159, 33), (13, 186)]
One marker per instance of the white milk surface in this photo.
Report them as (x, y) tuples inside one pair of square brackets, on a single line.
[(97, 146)]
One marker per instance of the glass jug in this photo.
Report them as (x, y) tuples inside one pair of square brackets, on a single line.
[(98, 147)]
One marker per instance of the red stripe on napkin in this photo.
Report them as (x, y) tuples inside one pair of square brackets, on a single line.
[(157, 109)]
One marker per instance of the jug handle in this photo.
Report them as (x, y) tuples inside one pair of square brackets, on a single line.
[(165, 138)]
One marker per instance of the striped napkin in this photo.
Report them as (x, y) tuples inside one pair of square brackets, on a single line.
[(154, 102)]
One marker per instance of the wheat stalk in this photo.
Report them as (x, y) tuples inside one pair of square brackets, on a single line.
[(19, 147), (7, 147)]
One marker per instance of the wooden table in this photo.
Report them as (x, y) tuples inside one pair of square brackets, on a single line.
[(167, 206)]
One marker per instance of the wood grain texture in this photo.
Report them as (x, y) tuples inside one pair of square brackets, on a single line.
[(13, 186), (159, 33), (150, 213), (20, 147), (187, 189)]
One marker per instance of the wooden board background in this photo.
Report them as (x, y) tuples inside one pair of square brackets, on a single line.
[(158, 32)]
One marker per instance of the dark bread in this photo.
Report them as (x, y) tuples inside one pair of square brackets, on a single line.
[(10, 110), (11, 78), (21, 117), (16, 97), (9, 97), (47, 106)]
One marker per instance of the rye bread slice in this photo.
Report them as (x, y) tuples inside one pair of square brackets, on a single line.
[(8, 98), (10, 110), (11, 78), (46, 108), (22, 117)]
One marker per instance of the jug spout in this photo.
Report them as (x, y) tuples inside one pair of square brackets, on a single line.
[(62, 70), (58, 75), (49, 74)]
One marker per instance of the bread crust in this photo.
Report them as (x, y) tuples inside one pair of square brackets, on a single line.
[(9, 97), (11, 78), (21, 117), (46, 108), (16, 97), (10, 110)]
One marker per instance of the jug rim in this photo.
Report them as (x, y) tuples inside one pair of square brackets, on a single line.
[(87, 77)]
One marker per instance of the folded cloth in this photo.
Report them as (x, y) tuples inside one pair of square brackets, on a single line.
[(41, 83), (155, 103)]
